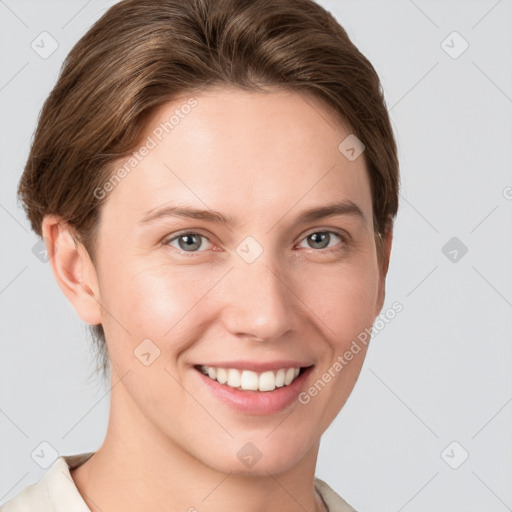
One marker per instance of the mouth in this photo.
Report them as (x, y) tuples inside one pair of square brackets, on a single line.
[(249, 380), (255, 389)]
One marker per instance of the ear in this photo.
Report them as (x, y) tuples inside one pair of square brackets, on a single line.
[(383, 270), (73, 268)]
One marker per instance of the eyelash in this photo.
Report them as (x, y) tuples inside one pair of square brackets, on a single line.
[(337, 248)]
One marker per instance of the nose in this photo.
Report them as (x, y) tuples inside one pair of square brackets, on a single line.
[(258, 301)]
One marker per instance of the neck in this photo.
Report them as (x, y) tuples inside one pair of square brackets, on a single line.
[(138, 467)]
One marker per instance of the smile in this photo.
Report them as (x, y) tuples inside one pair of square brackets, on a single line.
[(248, 380)]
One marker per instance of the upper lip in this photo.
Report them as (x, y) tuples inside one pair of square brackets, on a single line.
[(259, 366)]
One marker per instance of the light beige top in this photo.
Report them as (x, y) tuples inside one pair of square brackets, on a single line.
[(57, 492)]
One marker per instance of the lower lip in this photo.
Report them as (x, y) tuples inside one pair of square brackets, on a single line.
[(257, 402)]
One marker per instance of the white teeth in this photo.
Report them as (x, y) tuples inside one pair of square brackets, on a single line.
[(251, 381), (267, 381), (222, 375), (233, 378), (280, 378), (290, 375)]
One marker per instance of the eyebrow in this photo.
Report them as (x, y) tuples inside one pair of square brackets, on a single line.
[(345, 207)]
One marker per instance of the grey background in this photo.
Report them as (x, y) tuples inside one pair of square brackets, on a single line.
[(439, 372)]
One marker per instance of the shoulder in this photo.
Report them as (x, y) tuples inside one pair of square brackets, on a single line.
[(333, 501), (54, 492)]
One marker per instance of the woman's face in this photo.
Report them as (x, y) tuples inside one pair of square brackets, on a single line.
[(264, 291)]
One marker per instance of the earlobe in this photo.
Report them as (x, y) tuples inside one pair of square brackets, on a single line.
[(73, 269)]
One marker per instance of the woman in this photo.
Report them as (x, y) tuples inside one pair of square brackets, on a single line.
[(216, 182)]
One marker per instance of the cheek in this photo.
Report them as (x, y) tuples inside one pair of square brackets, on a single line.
[(160, 302), (172, 304), (342, 298)]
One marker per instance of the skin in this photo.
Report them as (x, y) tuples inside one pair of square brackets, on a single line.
[(264, 157)]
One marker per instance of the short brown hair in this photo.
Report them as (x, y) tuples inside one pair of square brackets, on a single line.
[(142, 53)]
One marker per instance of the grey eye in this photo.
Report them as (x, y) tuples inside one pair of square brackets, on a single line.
[(321, 239), (188, 242)]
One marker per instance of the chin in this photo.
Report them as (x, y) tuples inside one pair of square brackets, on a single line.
[(258, 458)]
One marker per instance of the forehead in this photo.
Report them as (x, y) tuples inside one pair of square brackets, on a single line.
[(242, 153)]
